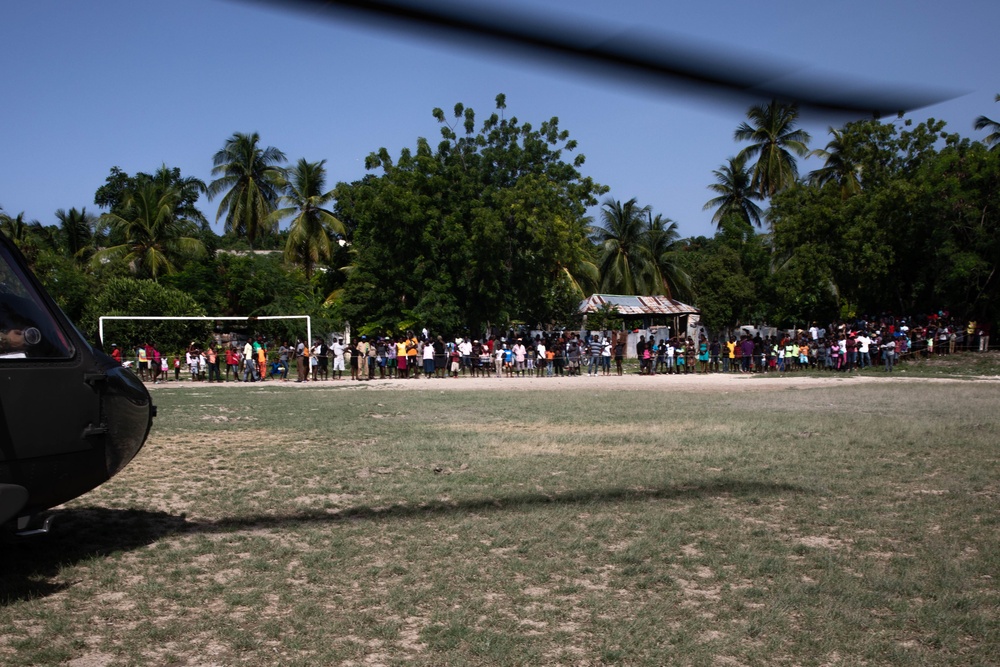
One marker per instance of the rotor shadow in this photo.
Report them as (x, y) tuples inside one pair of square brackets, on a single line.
[(30, 565), (506, 503)]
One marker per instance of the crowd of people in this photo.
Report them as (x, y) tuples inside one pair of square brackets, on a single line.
[(839, 347)]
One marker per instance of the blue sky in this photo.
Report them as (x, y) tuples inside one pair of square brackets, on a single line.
[(92, 85)]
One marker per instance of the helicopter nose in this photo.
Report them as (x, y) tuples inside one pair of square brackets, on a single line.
[(128, 415)]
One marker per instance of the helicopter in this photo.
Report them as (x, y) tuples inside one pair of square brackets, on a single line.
[(70, 416)]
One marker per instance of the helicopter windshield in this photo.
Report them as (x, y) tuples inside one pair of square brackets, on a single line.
[(27, 328)]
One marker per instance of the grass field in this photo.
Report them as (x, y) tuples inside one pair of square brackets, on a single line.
[(848, 524)]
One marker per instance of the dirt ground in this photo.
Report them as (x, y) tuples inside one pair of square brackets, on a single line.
[(710, 382)]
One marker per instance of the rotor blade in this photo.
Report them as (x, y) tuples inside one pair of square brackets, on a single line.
[(676, 62)]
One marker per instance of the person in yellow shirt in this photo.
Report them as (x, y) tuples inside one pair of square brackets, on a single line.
[(402, 367), (729, 356), (412, 347)]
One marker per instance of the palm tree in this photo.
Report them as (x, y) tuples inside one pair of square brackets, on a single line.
[(661, 241), (773, 140), (16, 229), (251, 179), (984, 123), (77, 229), (736, 196), (189, 189), (24, 234), (838, 168), (152, 236), (622, 258), (310, 236)]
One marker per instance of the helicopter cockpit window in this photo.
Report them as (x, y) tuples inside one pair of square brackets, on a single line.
[(27, 328)]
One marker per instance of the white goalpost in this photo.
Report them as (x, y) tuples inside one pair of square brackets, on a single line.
[(247, 320)]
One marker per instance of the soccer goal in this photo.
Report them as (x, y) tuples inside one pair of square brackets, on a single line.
[(247, 320)]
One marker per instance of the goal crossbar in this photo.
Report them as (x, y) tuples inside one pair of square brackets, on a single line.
[(204, 318)]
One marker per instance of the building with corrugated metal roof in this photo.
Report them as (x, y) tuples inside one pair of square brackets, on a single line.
[(662, 317)]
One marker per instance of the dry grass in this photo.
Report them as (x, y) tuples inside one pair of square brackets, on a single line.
[(839, 525)]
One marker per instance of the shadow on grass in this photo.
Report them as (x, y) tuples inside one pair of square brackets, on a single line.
[(79, 534), (510, 502)]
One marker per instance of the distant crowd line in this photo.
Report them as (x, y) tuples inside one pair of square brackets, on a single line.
[(838, 347)]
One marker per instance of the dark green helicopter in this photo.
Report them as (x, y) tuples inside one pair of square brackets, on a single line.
[(70, 416)]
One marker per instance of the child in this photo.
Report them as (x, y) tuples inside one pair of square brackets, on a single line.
[(177, 367)]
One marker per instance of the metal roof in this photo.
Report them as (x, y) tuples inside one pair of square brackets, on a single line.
[(637, 305)]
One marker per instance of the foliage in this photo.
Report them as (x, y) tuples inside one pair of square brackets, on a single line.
[(773, 141), (637, 253), (249, 283), (605, 318), (119, 187), (151, 238), (78, 231), (728, 274), (251, 178), (128, 296), (70, 287), (984, 123), (479, 231), (839, 168), (29, 236), (488, 227), (624, 261), (735, 193), (311, 236), (921, 233)]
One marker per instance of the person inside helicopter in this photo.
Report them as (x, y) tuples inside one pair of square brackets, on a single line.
[(21, 330), (27, 329)]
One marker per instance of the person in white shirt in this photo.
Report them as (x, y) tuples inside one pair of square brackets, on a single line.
[(465, 349), (338, 360), (542, 361), (864, 352)]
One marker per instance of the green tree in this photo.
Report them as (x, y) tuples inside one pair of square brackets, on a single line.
[(248, 284), (17, 229), (118, 186), (78, 230), (66, 281), (922, 235), (128, 296), (774, 142), (735, 193), (151, 239), (29, 236), (484, 229), (838, 168), (311, 235), (189, 190), (728, 273), (251, 178), (984, 123), (661, 241), (624, 259)]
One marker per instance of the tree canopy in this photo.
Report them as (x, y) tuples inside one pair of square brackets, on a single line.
[(476, 230), (488, 225)]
